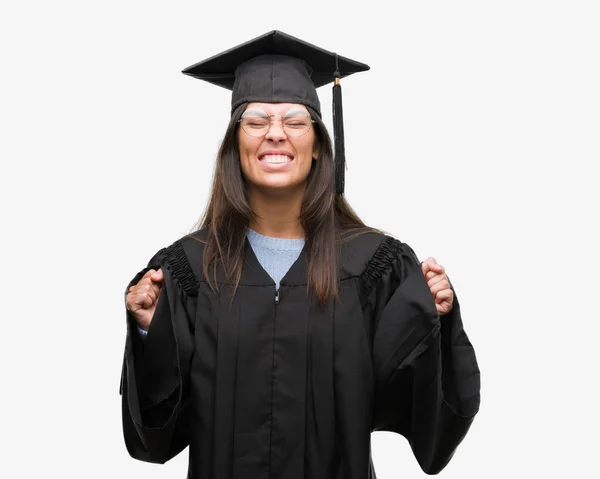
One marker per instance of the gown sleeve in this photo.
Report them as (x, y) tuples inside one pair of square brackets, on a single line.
[(155, 376), (427, 377)]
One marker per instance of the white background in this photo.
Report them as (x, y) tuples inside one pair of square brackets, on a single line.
[(474, 138)]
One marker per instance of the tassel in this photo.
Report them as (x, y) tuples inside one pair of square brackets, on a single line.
[(338, 133)]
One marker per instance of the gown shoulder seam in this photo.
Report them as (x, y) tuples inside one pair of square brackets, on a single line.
[(389, 251), (177, 262)]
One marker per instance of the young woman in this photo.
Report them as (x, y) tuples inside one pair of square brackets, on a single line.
[(274, 339)]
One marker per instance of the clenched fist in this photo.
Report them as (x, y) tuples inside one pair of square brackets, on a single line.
[(141, 299), (439, 285)]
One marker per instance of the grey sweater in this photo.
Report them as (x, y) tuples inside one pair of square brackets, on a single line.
[(276, 255)]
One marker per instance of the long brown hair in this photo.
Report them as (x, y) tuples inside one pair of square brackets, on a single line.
[(327, 218)]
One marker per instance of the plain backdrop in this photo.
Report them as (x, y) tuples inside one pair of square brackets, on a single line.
[(474, 138)]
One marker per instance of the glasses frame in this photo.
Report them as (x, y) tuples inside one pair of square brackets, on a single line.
[(270, 117)]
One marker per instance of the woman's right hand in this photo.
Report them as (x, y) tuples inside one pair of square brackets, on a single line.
[(141, 299)]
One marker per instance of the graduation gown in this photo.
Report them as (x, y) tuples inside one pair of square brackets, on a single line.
[(270, 385)]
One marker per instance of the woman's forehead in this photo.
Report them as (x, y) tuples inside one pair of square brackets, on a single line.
[(276, 108)]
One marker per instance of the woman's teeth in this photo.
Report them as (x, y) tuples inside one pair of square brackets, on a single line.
[(276, 159)]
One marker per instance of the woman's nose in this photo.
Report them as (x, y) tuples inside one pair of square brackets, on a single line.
[(276, 132)]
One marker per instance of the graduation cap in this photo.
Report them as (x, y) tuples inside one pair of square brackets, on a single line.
[(278, 68)]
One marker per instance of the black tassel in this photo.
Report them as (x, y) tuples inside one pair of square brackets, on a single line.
[(338, 133)]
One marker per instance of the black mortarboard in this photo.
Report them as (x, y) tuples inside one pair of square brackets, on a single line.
[(279, 68)]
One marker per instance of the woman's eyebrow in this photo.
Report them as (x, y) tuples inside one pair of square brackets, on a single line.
[(255, 112), (295, 112)]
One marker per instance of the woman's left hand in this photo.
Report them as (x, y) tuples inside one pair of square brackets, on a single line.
[(439, 285)]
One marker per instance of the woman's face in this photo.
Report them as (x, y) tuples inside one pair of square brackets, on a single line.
[(279, 159)]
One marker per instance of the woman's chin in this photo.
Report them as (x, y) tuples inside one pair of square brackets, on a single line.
[(278, 186)]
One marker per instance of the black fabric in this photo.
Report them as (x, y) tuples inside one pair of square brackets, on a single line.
[(274, 68), (291, 390)]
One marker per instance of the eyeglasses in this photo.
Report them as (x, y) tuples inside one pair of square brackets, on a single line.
[(295, 122)]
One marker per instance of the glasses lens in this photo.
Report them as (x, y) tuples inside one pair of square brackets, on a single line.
[(296, 126), (256, 126)]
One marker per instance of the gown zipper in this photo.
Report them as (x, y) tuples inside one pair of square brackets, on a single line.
[(272, 385)]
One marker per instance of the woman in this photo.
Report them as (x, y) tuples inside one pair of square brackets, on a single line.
[(284, 331)]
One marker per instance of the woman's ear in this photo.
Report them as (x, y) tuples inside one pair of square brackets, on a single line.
[(316, 151)]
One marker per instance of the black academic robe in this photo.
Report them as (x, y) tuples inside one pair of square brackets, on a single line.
[(270, 385)]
